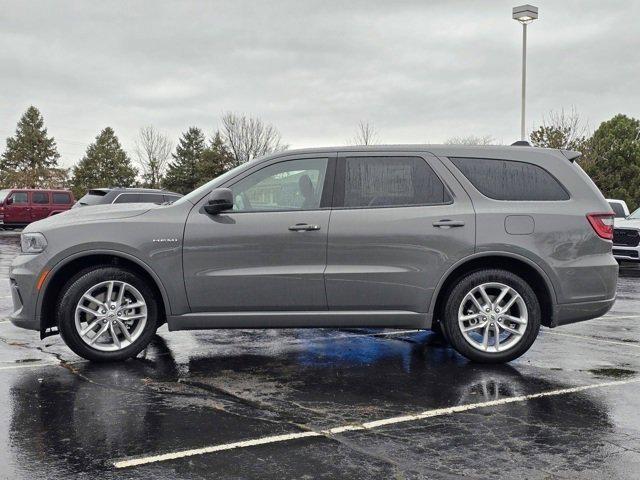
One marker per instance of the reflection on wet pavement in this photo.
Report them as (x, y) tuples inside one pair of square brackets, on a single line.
[(66, 417)]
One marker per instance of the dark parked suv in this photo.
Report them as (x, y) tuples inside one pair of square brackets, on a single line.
[(486, 243), (100, 196)]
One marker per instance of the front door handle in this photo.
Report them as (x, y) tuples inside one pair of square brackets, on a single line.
[(303, 227), (446, 223)]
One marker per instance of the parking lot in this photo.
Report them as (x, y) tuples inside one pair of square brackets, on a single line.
[(324, 404)]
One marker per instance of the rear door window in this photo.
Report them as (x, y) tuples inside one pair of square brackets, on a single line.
[(151, 198), (511, 180), (127, 198), (61, 198), (389, 182), (40, 198)]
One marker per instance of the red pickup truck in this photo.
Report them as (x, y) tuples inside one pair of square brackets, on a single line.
[(21, 206)]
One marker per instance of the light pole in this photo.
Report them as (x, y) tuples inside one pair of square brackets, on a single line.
[(525, 14)]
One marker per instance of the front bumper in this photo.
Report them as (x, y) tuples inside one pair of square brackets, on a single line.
[(623, 252), (23, 276)]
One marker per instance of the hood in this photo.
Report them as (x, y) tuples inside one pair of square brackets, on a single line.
[(627, 223), (94, 213)]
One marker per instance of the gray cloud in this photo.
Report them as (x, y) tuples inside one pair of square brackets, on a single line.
[(418, 70)]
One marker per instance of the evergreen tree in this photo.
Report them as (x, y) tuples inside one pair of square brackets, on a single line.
[(216, 160), (105, 164), (30, 155), (613, 161), (183, 174)]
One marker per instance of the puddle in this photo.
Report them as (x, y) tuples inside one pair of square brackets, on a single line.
[(612, 372)]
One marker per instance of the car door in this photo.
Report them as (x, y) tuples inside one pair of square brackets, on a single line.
[(269, 252), (18, 209), (400, 221), (40, 205)]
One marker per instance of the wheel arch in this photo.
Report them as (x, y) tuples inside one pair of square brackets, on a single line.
[(532, 273), (71, 265)]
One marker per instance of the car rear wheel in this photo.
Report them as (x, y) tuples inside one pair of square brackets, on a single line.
[(492, 316), (107, 314)]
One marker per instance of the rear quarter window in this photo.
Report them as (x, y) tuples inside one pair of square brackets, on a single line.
[(61, 198), (511, 180)]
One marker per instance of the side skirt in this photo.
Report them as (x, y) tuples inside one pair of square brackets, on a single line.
[(323, 319)]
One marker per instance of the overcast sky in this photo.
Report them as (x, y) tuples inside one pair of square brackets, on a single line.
[(420, 71)]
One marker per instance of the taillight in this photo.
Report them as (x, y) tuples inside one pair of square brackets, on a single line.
[(602, 223)]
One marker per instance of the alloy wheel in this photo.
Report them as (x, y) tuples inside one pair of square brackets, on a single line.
[(111, 315), (493, 317)]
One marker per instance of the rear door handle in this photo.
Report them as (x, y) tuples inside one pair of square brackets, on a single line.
[(303, 227), (445, 223)]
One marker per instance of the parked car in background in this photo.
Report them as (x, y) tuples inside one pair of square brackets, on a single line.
[(21, 206), (489, 243), (626, 238), (101, 196), (619, 207)]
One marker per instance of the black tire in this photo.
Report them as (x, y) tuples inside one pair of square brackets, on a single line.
[(456, 296), (438, 329), (73, 291)]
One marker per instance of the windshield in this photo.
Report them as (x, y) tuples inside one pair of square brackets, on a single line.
[(195, 195), (618, 209), (635, 214), (3, 195)]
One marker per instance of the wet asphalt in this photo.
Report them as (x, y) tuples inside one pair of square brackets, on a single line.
[(273, 404)]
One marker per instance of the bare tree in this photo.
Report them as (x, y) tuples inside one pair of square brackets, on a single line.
[(249, 137), (366, 134), (561, 129), (153, 150), (471, 140)]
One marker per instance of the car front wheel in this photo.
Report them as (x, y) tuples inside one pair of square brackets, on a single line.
[(107, 314), (492, 316)]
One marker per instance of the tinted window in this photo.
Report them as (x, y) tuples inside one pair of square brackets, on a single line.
[(20, 198), (151, 198), (391, 181), (617, 209), (290, 185), (61, 198), (93, 197), (127, 198), (40, 197), (510, 180)]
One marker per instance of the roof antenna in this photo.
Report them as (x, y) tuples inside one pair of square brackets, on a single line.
[(521, 143)]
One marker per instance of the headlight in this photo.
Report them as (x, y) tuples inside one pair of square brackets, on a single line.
[(32, 242)]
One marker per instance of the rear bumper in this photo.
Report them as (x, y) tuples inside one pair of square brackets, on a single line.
[(567, 313)]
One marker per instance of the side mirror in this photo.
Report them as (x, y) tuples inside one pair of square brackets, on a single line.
[(9, 200), (219, 200)]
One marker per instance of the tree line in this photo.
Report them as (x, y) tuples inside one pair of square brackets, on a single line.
[(610, 153), (31, 158)]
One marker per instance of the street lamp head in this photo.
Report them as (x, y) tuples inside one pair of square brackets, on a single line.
[(525, 14)]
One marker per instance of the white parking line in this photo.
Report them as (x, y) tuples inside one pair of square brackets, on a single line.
[(132, 462), (30, 365)]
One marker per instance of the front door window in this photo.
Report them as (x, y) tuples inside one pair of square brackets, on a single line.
[(283, 186)]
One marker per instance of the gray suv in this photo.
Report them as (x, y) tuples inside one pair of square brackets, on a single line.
[(100, 196), (485, 244)]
